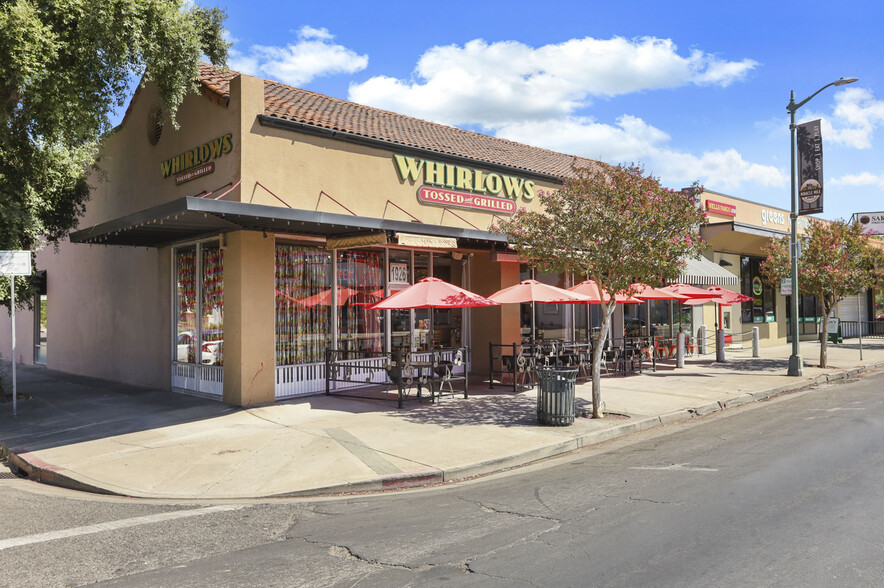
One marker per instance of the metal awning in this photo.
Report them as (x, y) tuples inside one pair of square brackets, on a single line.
[(702, 272), (194, 218)]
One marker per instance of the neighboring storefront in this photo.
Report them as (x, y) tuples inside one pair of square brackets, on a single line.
[(737, 232)]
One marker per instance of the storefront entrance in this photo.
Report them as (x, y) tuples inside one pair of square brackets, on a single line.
[(198, 348)]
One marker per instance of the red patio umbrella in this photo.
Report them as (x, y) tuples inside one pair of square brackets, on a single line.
[(689, 291), (723, 297), (589, 288), (720, 296), (692, 293), (432, 293), (646, 292), (533, 291)]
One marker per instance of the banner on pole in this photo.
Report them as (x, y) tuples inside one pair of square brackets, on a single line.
[(810, 168)]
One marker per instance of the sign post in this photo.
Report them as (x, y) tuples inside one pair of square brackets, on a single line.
[(14, 263)]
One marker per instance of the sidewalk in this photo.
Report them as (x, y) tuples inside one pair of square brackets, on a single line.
[(95, 435)]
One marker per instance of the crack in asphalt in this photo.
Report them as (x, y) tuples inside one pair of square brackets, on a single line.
[(634, 499), (491, 509)]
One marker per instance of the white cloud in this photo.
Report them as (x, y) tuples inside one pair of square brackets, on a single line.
[(314, 55), (634, 140), (507, 81), (533, 95), (719, 170), (308, 32), (854, 119), (862, 179), (630, 140)]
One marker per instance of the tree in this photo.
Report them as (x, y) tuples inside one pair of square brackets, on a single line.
[(64, 66), (614, 225), (836, 261)]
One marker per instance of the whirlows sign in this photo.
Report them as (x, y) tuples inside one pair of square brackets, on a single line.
[(198, 161), (456, 186)]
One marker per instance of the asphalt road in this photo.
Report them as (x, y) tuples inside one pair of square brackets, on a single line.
[(783, 493)]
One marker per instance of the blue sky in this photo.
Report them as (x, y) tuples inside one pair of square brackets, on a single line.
[(691, 90)]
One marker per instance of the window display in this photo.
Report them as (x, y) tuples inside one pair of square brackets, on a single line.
[(360, 283), (303, 311)]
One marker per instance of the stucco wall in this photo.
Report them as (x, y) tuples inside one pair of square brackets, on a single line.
[(109, 308)]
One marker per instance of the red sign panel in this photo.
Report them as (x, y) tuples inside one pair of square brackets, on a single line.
[(430, 195), (195, 173), (721, 208)]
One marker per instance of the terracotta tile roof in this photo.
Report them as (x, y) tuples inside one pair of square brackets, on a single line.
[(310, 108), (217, 79)]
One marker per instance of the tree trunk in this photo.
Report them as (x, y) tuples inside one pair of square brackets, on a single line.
[(597, 354), (824, 329)]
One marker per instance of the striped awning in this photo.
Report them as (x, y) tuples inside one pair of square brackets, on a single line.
[(702, 272)]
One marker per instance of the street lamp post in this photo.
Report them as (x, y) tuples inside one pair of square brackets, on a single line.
[(795, 361)]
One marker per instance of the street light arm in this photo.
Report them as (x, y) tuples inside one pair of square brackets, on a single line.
[(792, 107)]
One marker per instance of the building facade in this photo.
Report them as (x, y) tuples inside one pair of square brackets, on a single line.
[(223, 257)]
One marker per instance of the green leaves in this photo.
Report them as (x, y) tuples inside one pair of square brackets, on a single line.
[(836, 260), (614, 224), (64, 66)]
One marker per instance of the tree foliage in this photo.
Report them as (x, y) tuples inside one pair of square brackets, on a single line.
[(65, 65), (614, 225), (836, 261)]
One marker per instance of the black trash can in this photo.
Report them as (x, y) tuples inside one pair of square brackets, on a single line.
[(555, 395)]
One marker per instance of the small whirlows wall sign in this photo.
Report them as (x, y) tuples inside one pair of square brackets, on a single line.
[(198, 161)]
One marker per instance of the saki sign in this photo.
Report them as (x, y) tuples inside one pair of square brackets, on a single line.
[(439, 197)]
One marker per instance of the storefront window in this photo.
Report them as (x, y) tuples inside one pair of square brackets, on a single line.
[(660, 318), (360, 282), (447, 322), (763, 308), (303, 298), (526, 273), (587, 318), (212, 311), (809, 309), (549, 319), (185, 296), (634, 320)]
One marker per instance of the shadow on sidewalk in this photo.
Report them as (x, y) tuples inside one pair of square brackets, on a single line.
[(63, 409)]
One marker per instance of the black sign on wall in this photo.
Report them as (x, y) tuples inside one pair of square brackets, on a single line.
[(810, 168)]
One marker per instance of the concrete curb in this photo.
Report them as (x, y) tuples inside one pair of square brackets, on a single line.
[(38, 471)]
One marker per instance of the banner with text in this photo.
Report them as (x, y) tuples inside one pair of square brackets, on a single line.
[(810, 168)]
